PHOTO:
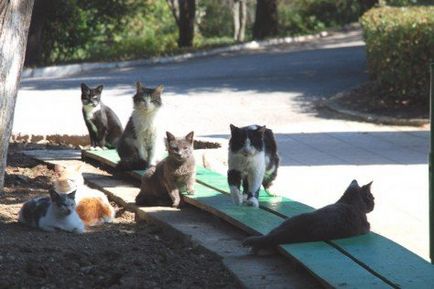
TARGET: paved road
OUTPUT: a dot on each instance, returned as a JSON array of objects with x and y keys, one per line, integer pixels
[{"x": 277, "y": 87}]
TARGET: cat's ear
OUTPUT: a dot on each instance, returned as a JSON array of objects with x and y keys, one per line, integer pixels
[
  {"x": 233, "y": 128},
  {"x": 158, "y": 90},
  {"x": 354, "y": 184},
  {"x": 71, "y": 195},
  {"x": 84, "y": 88},
  {"x": 59, "y": 170},
  {"x": 139, "y": 86},
  {"x": 54, "y": 195},
  {"x": 78, "y": 168},
  {"x": 189, "y": 137},
  {"x": 170, "y": 137},
  {"x": 368, "y": 186},
  {"x": 261, "y": 129},
  {"x": 99, "y": 89}
]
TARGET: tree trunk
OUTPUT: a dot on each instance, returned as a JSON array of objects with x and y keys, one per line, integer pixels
[
  {"x": 239, "y": 11},
  {"x": 187, "y": 12},
  {"x": 34, "y": 41},
  {"x": 15, "y": 18},
  {"x": 266, "y": 19}
]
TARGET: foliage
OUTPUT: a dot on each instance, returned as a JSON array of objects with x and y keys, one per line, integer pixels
[
  {"x": 74, "y": 30},
  {"x": 400, "y": 46},
  {"x": 215, "y": 18},
  {"x": 68, "y": 25},
  {"x": 307, "y": 16}
]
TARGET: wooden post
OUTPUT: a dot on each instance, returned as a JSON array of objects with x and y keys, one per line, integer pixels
[{"x": 431, "y": 175}]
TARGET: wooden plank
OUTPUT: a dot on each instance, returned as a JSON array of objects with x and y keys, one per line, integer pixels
[
  {"x": 322, "y": 260},
  {"x": 382, "y": 256},
  {"x": 318, "y": 258}
]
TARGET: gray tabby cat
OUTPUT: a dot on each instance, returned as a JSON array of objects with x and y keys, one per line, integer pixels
[
  {"x": 136, "y": 147},
  {"x": 51, "y": 213},
  {"x": 161, "y": 184},
  {"x": 343, "y": 219}
]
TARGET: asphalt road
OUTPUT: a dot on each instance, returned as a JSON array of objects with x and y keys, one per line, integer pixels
[{"x": 271, "y": 87}]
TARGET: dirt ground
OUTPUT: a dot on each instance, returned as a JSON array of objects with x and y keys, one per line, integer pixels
[
  {"x": 366, "y": 98},
  {"x": 118, "y": 255}
]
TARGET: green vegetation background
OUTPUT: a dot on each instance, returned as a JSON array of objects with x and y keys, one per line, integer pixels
[{"x": 105, "y": 30}]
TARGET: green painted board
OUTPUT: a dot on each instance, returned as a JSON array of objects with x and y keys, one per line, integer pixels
[
  {"x": 319, "y": 258},
  {"x": 393, "y": 262}
]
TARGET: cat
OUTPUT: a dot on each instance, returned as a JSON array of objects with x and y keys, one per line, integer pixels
[
  {"x": 343, "y": 219},
  {"x": 50, "y": 213},
  {"x": 161, "y": 184},
  {"x": 105, "y": 128},
  {"x": 138, "y": 142},
  {"x": 93, "y": 206},
  {"x": 253, "y": 160}
]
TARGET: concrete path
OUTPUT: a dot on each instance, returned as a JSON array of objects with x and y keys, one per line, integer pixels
[{"x": 278, "y": 87}]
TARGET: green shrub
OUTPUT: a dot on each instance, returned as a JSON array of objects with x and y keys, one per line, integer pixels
[
  {"x": 215, "y": 18},
  {"x": 400, "y": 46},
  {"x": 308, "y": 16}
]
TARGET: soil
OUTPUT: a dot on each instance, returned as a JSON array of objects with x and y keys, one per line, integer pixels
[
  {"x": 123, "y": 254},
  {"x": 367, "y": 99}
]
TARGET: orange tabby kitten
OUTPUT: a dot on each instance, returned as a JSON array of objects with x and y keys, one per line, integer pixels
[{"x": 93, "y": 206}]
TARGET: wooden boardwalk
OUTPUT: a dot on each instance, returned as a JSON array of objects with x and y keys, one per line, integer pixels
[{"x": 368, "y": 261}]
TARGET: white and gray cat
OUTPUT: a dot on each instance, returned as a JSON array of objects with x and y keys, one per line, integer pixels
[
  {"x": 105, "y": 128},
  {"x": 137, "y": 146},
  {"x": 56, "y": 212},
  {"x": 253, "y": 160},
  {"x": 343, "y": 219}
]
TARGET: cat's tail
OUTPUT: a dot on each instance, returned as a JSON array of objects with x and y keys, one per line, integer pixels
[
  {"x": 257, "y": 243},
  {"x": 131, "y": 164}
]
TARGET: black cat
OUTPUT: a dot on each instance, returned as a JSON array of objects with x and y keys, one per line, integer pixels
[
  {"x": 104, "y": 126},
  {"x": 343, "y": 219}
]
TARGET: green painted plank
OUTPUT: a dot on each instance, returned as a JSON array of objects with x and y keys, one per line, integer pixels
[
  {"x": 375, "y": 252},
  {"x": 317, "y": 257},
  {"x": 321, "y": 259}
]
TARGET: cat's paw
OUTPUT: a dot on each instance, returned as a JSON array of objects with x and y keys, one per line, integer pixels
[
  {"x": 78, "y": 230},
  {"x": 175, "y": 204},
  {"x": 252, "y": 202},
  {"x": 98, "y": 148},
  {"x": 190, "y": 191},
  {"x": 237, "y": 197}
]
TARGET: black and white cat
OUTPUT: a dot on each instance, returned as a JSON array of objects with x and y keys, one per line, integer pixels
[
  {"x": 51, "y": 213},
  {"x": 138, "y": 144},
  {"x": 343, "y": 219},
  {"x": 104, "y": 126},
  {"x": 253, "y": 160}
]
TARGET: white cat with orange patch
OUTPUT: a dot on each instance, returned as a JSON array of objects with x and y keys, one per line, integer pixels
[{"x": 93, "y": 206}]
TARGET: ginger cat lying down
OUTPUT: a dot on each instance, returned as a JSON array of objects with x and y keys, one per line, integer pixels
[{"x": 92, "y": 205}]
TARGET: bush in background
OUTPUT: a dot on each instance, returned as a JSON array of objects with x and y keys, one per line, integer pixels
[
  {"x": 76, "y": 30},
  {"x": 309, "y": 16},
  {"x": 400, "y": 46}
]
